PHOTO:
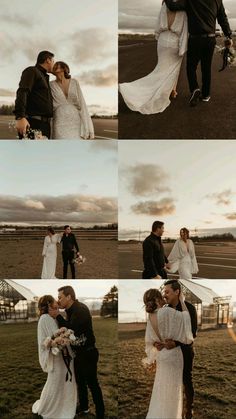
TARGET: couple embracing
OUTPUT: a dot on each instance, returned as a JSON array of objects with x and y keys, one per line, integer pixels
[
  {"x": 55, "y": 109},
  {"x": 72, "y": 369},
  {"x": 183, "y": 26},
  {"x": 171, "y": 329}
]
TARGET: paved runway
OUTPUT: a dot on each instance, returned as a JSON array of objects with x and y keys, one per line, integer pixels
[
  {"x": 105, "y": 128},
  {"x": 215, "y": 261},
  {"x": 212, "y": 120}
]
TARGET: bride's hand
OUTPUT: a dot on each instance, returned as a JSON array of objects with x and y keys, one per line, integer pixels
[{"x": 181, "y": 297}]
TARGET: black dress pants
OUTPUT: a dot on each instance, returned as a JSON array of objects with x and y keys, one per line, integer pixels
[
  {"x": 42, "y": 126},
  {"x": 86, "y": 377},
  {"x": 68, "y": 257},
  {"x": 200, "y": 50},
  {"x": 188, "y": 355}
]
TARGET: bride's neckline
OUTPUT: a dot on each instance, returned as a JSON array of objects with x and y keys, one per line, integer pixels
[{"x": 60, "y": 87}]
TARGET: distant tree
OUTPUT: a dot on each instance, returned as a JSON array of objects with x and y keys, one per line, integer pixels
[
  {"x": 6, "y": 109},
  {"x": 110, "y": 303}
]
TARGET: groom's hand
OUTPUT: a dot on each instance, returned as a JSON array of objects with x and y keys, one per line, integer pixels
[
  {"x": 159, "y": 345},
  {"x": 170, "y": 344},
  {"x": 22, "y": 125},
  {"x": 53, "y": 312}
]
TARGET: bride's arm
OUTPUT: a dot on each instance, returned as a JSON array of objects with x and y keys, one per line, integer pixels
[
  {"x": 150, "y": 349},
  {"x": 45, "y": 246}
]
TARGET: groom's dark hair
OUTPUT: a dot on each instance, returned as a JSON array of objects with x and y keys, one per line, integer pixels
[
  {"x": 174, "y": 283},
  {"x": 68, "y": 290},
  {"x": 43, "y": 56},
  {"x": 65, "y": 227},
  {"x": 156, "y": 225}
]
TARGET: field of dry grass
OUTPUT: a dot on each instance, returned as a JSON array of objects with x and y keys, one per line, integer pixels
[
  {"x": 214, "y": 374},
  {"x": 22, "y": 259},
  {"x": 22, "y": 379}
]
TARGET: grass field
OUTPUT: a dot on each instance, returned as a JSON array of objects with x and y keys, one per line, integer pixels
[
  {"x": 22, "y": 259},
  {"x": 214, "y": 375},
  {"x": 22, "y": 378}
]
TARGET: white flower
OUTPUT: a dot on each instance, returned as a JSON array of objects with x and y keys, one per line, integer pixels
[{"x": 55, "y": 351}]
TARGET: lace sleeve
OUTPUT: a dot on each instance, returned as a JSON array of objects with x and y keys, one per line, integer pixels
[
  {"x": 182, "y": 329},
  {"x": 45, "y": 331},
  {"x": 87, "y": 129},
  {"x": 150, "y": 350}
]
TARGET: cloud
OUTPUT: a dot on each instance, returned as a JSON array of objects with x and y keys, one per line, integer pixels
[
  {"x": 34, "y": 204},
  {"x": 145, "y": 179},
  {"x": 17, "y": 19},
  {"x": 92, "y": 45},
  {"x": 104, "y": 77},
  {"x": 222, "y": 198},
  {"x": 138, "y": 16},
  {"x": 74, "y": 208},
  {"x": 165, "y": 206},
  {"x": 231, "y": 216},
  {"x": 6, "y": 92}
]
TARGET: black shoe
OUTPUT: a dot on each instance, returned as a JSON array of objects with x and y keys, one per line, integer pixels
[
  {"x": 194, "y": 99},
  {"x": 81, "y": 411}
]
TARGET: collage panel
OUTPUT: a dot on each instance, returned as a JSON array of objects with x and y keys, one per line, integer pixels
[
  {"x": 160, "y": 349},
  {"x": 176, "y": 69},
  {"x": 78, "y": 375},
  {"x": 58, "y": 70},
  {"x": 58, "y": 216},
  {"x": 177, "y": 209}
]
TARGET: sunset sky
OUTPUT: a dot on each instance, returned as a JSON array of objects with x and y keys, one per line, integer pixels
[
  {"x": 86, "y": 288},
  {"x": 141, "y": 16},
  {"x": 83, "y": 33},
  {"x": 76, "y": 184},
  {"x": 183, "y": 183},
  {"x": 131, "y": 292}
]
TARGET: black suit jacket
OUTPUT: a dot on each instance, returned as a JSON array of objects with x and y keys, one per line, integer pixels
[
  {"x": 202, "y": 15},
  {"x": 79, "y": 319},
  {"x": 154, "y": 258},
  {"x": 193, "y": 316},
  {"x": 69, "y": 243}
]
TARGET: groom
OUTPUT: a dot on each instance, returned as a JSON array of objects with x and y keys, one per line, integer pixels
[
  {"x": 172, "y": 290},
  {"x": 154, "y": 259},
  {"x": 69, "y": 244},
  {"x": 34, "y": 105},
  {"x": 79, "y": 319},
  {"x": 202, "y": 16}
]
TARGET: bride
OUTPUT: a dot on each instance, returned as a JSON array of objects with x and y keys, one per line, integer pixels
[
  {"x": 166, "y": 323},
  {"x": 50, "y": 254},
  {"x": 71, "y": 119},
  {"x": 182, "y": 257},
  {"x": 151, "y": 94},
  {"x": 59, "y": 397}
]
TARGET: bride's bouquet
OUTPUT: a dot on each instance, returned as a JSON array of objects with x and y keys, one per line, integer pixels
[
  {"x": 34, "y": 134},
  {"x": 228, "y": 54},
  {"x": 79, "y": 260},
  {"x": 61, "y": 339}
]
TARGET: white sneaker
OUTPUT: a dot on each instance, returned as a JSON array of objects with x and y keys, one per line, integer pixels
[{"x": 206, "y": 99}]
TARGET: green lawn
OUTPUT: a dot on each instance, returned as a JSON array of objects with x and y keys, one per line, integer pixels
[
  {"x": 22, "y": 378},
  {"x": 214, "y": 376}
]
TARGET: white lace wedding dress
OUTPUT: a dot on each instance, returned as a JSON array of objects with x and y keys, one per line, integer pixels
[
  {"x": 71, "y": 119},
  {"x": 151, "y": 94},
  {"x": 50, "y": 256},
  {"x": 167, "y": 394},
  {"x": 182, "y": 258},
  {"x": 59, "y": 397}
]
